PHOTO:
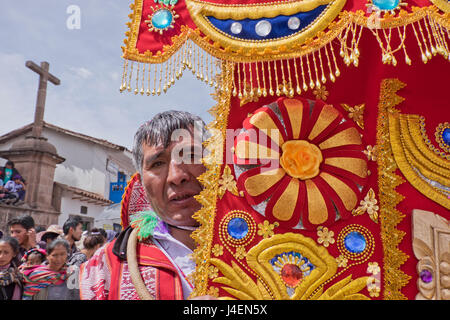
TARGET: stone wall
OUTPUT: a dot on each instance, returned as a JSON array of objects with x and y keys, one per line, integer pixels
[{"x": 41, "y": 217}]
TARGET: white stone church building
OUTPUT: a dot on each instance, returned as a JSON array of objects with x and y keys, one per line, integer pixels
[{"x": 88, "y": 182}]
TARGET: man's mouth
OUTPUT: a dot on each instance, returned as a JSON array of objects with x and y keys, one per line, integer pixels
[{"x": 181, "y": 198}]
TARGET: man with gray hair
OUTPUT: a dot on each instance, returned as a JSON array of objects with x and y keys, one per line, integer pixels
[{"x": 151, "y": 259}]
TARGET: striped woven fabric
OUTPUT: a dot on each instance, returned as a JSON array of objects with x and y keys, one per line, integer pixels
[{"x": 40, "y": 277}]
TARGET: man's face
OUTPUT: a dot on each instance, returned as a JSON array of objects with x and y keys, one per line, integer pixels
[
  {"x": 171, "y": 184},
  {"x": 20, "y": 233},
  {"x": 77, "y": 232}
]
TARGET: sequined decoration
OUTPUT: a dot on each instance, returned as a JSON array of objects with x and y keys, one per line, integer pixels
[
  {"x": 162, "y": 19},
  {"x": 443, "y": 136},
  {"x": 237, "y": 228},
  {"x": 355, "y": 242}
]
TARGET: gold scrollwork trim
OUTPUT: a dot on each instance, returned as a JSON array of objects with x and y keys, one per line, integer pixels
[
  {"x": 411, "y": 152},
  {"x": 254, "y": 11},
  {"x": 319, "y": 35},
  {"x": 442, "y": 19},
  {"x": 199, "y": 11},
  {"x": 404, "y": 18},
  {"x": 208, "y": 197},
  {"x": 444, "y": 5},
  {"x": 269, "y": 284},
  {"x": 394, "y": 278}
]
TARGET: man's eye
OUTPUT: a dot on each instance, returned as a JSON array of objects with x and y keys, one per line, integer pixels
[{"x": 157, "y": 164}]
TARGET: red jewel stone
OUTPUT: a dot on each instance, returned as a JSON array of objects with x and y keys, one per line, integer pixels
[{"x": 291, "y": 274}]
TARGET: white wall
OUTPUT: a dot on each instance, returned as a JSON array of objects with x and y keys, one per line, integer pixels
[
  {"x": 85, "y": 162},
  {"x": 71, "y": 206},
  {"x": 84, "y": 168}
]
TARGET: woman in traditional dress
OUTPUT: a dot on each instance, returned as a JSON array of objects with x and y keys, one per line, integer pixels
[
  {"x": 10, "y": 277},
  {"x": 48, "y": 282}
]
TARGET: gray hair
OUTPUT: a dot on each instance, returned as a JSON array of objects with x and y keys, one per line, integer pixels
[{"x": 159, "y": 130}]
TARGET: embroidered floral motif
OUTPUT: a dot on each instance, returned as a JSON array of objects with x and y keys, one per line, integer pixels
[
  {"x": 240, "y": 253},
  {"x": 227, "y": 183},
  {"x": 325, "y": 236},
  {"x": 213, "y": 272},
  {"x": 265, "y": 229},
  {"x": 371, "y": 153},
  {"x": 356, "y": 113},
  {"x": 373, "y": 282},
  {"x": 213, "y": 291},
  {"x": 321, "y": 93},
  {"x": 369, "y": 205},
  {"x": 301, "y": 159},
  {"x": 373, "y": 268},
  {"x": 342, "y": 261},
  {"x": 374, "y": 289},
  {"x": 288, "y": 126},
  {"x": 217, "y": 250},
  {"x": 287, "y": 270},
  {"x": 285, "y": 88},
  {"x": 250, "y": 95}
]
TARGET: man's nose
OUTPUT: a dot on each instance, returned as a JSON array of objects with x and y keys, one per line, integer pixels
[{"x": 177, "y": 173}]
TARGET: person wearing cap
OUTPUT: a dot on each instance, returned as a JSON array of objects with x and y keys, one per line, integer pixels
[
  {"x": 53, "y": 231},
  {"x": 16, "y": 187}
]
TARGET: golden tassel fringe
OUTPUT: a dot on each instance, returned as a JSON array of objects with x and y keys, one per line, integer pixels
[{"x": 308, "y": 67}]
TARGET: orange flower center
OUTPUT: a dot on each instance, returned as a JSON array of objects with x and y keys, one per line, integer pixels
[{"x": 301, "y": 159}]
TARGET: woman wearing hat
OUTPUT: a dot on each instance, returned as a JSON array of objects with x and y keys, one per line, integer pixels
[{"x": 47, "y": 236}]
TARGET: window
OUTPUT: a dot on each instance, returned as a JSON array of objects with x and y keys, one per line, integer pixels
[{"x": 83, "y": 210}]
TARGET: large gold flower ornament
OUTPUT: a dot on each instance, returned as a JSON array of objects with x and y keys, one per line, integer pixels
[{"x": 300, "y": 163}]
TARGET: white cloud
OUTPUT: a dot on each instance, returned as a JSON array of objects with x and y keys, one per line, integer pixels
[
  {"x": 115, "y": 76},
  {"x": 81, "y": 72}
]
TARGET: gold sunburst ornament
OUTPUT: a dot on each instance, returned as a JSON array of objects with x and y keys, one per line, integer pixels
[{"x": 162, "y": 18}]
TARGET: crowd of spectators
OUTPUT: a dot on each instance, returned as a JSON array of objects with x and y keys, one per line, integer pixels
[{"x": 38, "y": 263}]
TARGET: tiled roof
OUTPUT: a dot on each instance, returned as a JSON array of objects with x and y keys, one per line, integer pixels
[
  {"x": 84, "y": 195},
  {"x": 23, "y": 130}
]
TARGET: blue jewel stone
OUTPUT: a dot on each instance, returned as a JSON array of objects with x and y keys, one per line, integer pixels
[
  {"x": 162, "y": 19},
  {"x": 446, "y": 136},
  {"x": 355, "y": 242},
  {"x": 386, "y": 4},
  {"x": 237, "y": 228}
]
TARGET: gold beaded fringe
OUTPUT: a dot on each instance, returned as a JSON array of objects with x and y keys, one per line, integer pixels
[
  {"x": 295, "y": 74},
  {"x": 137, "y": 76}
]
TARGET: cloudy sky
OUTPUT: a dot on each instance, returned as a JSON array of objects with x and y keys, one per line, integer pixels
[{"x": 88, "y": 62}]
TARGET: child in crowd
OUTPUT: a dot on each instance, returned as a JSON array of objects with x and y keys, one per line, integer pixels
[
  {"x": 33, "y": 257},
  {"x": 48, "y": 282},
  {"x": 5, "y": 196},
  {"x": 16, "y": 187},
  {"x": 10, "y": 277}
]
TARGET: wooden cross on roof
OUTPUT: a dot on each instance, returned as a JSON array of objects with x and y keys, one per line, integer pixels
[{"x": 44, "y": 76}]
